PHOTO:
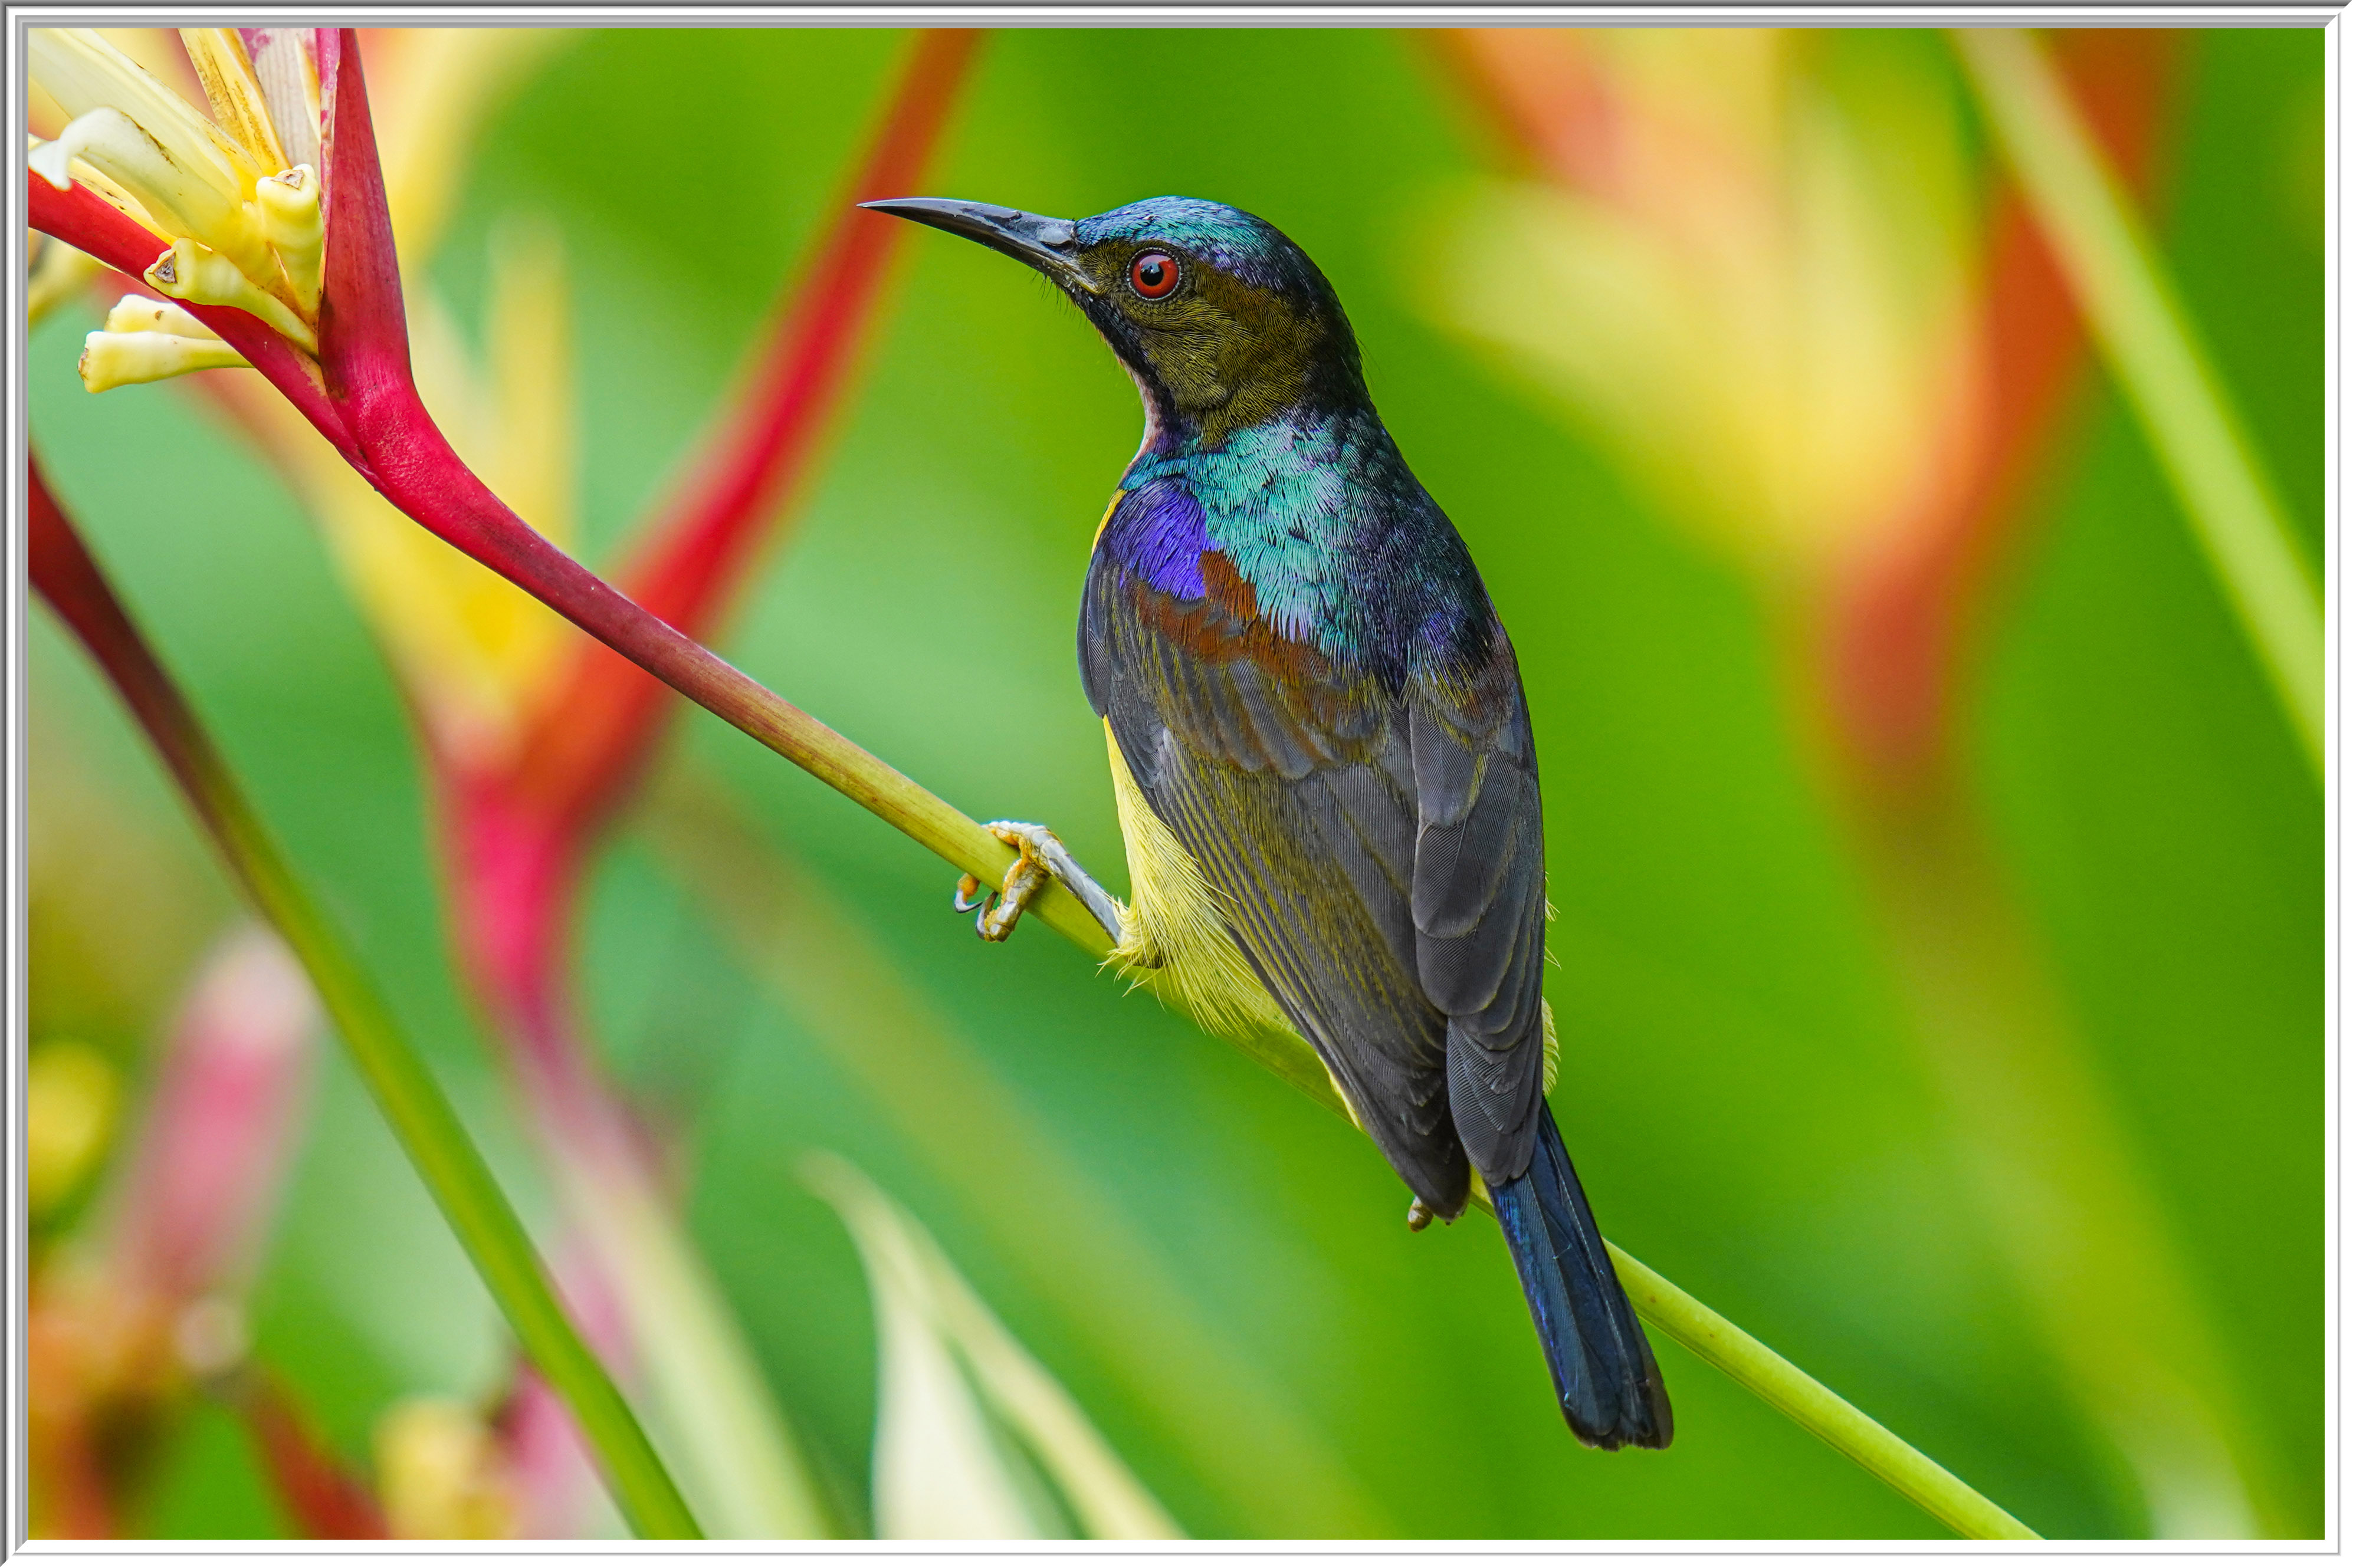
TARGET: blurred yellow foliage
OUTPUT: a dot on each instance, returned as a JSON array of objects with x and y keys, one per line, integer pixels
[
  {"x": 1757, "y": 291},
  {"x": 71, "y": 1095},
  {"x": 439, "y": 1473}
]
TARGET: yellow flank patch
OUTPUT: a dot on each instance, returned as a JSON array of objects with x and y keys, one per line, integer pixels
[
  {"x": 1098, "y": 539},
  {"x": 1174, "y": 938},
  {"x": 1172, "y": 935}
]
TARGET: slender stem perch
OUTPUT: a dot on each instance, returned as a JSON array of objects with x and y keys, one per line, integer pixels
[
  {"x": 590, "y": 730},
  {"x": 1747, "y": 1361},
  {"x": 436, "y": 1142}
]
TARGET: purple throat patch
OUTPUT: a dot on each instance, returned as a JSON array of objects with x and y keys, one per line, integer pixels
[{"x": 1158, "y": 533}]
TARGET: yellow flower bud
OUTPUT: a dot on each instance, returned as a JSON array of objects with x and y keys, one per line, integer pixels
[
  {"x": 138, "y": 313},
  {"x": 296, "y": 229},
  {"x": 193, "y": 272},
  {"x": 109, "y": 360}
]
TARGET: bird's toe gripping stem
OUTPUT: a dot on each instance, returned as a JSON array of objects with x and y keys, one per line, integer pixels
[{"x": 1041, "y": 859}]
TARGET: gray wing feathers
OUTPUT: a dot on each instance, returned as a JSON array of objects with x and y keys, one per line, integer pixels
[
  {"x": 1382, "y": 857},
  {"x": 1340, "y": 967},
  {"x": 1478, "y": 912}
]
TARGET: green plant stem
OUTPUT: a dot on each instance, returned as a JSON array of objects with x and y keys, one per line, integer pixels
[
  {"x": 2146, "y": 336},
  {"x": 1747, "y": 1361},
  {"x": 422, "y": 1118}
]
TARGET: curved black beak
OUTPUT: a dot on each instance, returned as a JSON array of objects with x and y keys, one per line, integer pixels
[{"x": 1048, "y": 243}]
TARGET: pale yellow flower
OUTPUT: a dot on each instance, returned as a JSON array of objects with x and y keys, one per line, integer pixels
[{"x": 472, "y": 648}]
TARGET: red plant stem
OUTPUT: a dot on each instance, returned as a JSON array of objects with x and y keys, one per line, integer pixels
[
  {"x": 322, "y": 1496},
  {"x": 510, "y": 882},
  {"x": 411, "y": 464},
  {"x": 371, "y": 414}
]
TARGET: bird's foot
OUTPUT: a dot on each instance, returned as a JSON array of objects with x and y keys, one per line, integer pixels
[{"x": 1041, "y": 859}]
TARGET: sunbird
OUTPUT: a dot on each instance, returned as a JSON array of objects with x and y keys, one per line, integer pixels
[{"x": 1320, "y": 747}]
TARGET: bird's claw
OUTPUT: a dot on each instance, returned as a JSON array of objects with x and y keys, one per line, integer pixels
[
  {"x": 1024, "y": 881},
  {"x": 1419, "y": 1214},
  {"x": 1039, "y": 859}
]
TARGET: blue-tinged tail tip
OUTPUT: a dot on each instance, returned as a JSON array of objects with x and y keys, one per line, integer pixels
[{"x": 1601, "y": 1364}]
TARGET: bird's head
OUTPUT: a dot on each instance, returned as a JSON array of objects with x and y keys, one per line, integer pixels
[{"x": 1222, "y": 320}]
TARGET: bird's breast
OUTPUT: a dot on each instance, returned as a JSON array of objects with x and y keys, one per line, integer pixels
[{"x": 1265, "y": 524}]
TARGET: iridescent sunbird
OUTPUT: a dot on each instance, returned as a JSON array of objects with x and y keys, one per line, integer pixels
[{"x": 1320, "y": 747}]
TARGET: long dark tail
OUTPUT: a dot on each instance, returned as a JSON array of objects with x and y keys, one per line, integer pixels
[{"x": 1601, "y": 1364}]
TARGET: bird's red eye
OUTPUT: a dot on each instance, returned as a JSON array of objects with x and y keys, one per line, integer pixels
[{"x": 1153, "y": 273}]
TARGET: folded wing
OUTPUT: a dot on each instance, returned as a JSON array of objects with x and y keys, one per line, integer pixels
[{"x": 1378, "y": 850}]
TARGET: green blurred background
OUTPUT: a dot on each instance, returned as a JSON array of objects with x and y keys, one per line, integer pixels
[{"x": 1739, "y": 1081}]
